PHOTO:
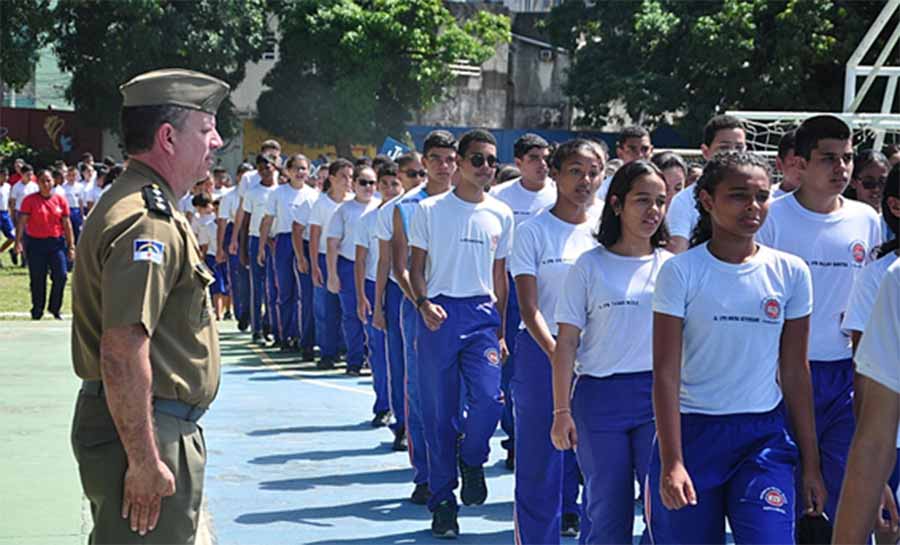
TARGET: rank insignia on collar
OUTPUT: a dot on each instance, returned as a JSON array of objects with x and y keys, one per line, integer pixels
[{"x": 155, "y": 200}]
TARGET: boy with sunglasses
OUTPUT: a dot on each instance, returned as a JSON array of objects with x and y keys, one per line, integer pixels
[
  {"x": 526, "y": 196},
  {"x": 460, "y": 328}
]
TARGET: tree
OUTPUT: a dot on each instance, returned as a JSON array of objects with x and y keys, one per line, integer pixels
[
  {"x": 354, "y": 71},
  {"x": 104, "y": 44},
  {"x": 23, "y": 25},
  {"x": 695, "y": 59}
]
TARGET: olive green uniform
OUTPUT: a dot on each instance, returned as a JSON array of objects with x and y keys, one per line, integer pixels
[{"x": 138, "y": 262}]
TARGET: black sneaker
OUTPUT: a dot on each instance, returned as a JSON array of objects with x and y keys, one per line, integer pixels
[
  {"x": 399, "y": 440},
  {"x": 571, "y": 525},
  {"x": 325, "y": 363},
  {"x": 57, "y": 316},
  {"x": 474, "y": 489},
  {"x": 255, "y": 338},
  {"x": 353, "y": 372},
  {"x": 14, "y": 256},
  {"x": 443, "y": 522},
  {"x": 227, "y": 315},
  {"x": 308, "y": 354},
  {"x": 382, "y": 419},
  {"x": 243, "y": 324},
  {"x": 421, "y": 494}
]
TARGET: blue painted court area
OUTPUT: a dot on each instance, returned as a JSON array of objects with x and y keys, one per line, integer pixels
[{"x": 293, "y": 459}]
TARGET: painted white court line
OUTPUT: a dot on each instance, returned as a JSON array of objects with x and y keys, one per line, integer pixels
[{"x": 299, "y": 375}]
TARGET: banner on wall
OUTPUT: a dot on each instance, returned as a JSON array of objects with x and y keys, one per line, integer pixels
[
  {"x": 393, "y": 148},
  {"x": 254, "y": 136}
]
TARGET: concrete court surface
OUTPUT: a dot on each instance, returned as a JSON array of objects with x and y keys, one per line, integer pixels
[{"x": 292, "y": 457}]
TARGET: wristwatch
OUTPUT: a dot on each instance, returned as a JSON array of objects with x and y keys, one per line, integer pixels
[{"x": 420, "y": 300}]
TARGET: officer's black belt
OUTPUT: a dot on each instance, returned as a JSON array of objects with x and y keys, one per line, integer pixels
[{"x": 170, "y": 407}]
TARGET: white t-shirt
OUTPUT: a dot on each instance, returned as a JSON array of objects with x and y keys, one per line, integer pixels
[
  {"x": 248, "y": 181},
  {"x": 604, "y": 188},
  {"x": 546, "y": 247},
  {"x": 281, "y": 207},
  {"x": 228, "y": 206},
  {"x": 463, "y": 240},
  {"x": 74, "y": 193},
  {"x": 609, "y": 298},
  {"x": 877, "y": 356},
  {"x": 733, "y": 316},
  {"x": 384, "y": 224},
  {"x": 4, "y": 197},
  {"x": 777, "y": 192},
  {"x": 22, "y": 190},
  {"x": 683, "y": 216},
  {"x": 862, "y": 296},
  {"x": 345, "y": 222},
  {"x": 185, "y": 205},
  {"x": 205, "y": 226},
  {"x": 366, "y": 237},
  {"x": 255, "y": 202},
  {"x": 836, "y": 247},
  {"x": 219, "y": 193},
  {"x": 523, "y": 202},
  {"x": 320, "y": 215}
]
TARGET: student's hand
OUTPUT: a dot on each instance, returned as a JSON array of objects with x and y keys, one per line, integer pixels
[
  {"x": 676, "y": 488},
  {"x": 562, "y": 433},
  {"x": 363, "y": 309},
  {"x": 317, "y": 276},
  {"x": 261, "y": 256},
  {"x": 378, "y": 321},
  {"x": 504, "y": 350},
  {"x": 244, "y": 259},
  {"x": 220, "y": 255},
  {"x": 70, "y": 253},
  {"x": 19, "y": 248},
  {"x": 434, "y": 315},
  {"x": 334, "y": 284},
  {"x": 145, "y": 486},
  {"x": 887, "y": 530},
  {"x": 814, "y": 492},
  {"x": 233, "y": 246},
  {"x": 302, "y": 264}
]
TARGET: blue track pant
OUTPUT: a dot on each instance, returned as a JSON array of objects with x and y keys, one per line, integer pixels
[
  {"x": 307, "y": 305},
  {"x": 415, "y": 420},
  {"x": 240, "y": 280},
  {"x": 375, "y": 342},
  {"x": 288, "y": 288},
  {"x": 328, "y": 315},
  {"x": 393, "y": 298},
  {"x": 354, "y": 334}
]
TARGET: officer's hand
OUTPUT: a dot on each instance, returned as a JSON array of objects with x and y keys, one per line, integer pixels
[
  {"x": 145, "y": 487},
  {"x": 302, "y": 265},
  {"x": 317, "y": 276},
  {"x": 334, "y": 284},
  {"x": 504, "y": 350},
  {"x": 562, "y": 433},
  {"x": 261, "y": 256},
  {"x": 814, "y": 491},
  {"x": 887, "y": 530},
  {"x": 676, "y": 488},
  {"x": 363, "y": 309},
  {"x": 378, "y": 321},
  {"x": 434, "y": 315}
]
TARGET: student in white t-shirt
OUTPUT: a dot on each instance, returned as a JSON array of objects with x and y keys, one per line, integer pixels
[
  {"x": 730, "y": 326},
  {"x": 460, "y": 241},
  {"x": 836, "y": 238},
  {"x": 327, "y": 306},
  {"x": 632, "y": 144},
  {"x": 238, "y": 275},
  {"x": 205, "y": 227},
  {"x": 786, "y": 163},
  {"x": 365, "y": 271},
  {"x": 722, "y": 132},
  {"x": 870, "y": 170},
  {"x": 277, "y": 226},
  {"x": 250, "y": 178},
  {"x": 74, "y": 190},
  {"x": 6, "y": 224},
  {"x": 873, "y": 452},
  {"x": 674, "y": 170},
  {"x": 254, "y": 210},
  {"x": 526, "y": 196},
  {"x": 339, "y": 258},
  {"x": 544, "y": 249},
  {"x": 607, "y": 293}
]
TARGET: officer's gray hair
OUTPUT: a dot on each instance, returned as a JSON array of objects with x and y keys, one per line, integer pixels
[{"x": 140, "y": 123}]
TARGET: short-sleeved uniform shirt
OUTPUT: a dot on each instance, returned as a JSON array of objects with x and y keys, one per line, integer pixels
[
  {"x": 320, "y": 214},
  {"x": 877, "y": 356},
  {"x": 22, "y": 190},
  {"x": 137, "y": 265},
  {"x": 74, "y": 193},
  {"x": 365, "y": 237},
  {"x": 345, "y": 222},
  {"x": 683, "y": 215},
  {"x": 45, "y": 216}
]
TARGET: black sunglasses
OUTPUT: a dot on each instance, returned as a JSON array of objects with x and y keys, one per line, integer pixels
[
  {"x": 365, "y": 183},
  {"x": 416, "y": 173},
  {"x": 478, "y": 160},
  {"x": 869, "y": 183}
]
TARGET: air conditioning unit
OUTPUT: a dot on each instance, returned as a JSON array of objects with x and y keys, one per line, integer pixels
[{"x": 546, "y": 55}]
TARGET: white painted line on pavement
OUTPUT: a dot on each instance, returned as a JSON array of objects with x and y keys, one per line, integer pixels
[{"x": 297, "y": 375}]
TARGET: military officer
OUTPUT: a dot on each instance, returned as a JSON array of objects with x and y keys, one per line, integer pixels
[{"x": 143, "y": 339}]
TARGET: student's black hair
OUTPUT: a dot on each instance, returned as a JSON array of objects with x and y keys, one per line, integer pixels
[
  {"x": 387, "y": 168},
  {"x": 114, "y": 172},
  {"x": 787, "y": 144},
  {"x": 294, "y": 159},
  {"x": 866, "y": 158},
  {"x": 109, "y": 161},
  {"x": 201, "y": 199},
  {"x": 507, "y": 173},
  {"x": 27, "y": 168},
  {"x": 610, "y": 223},
  {"x": 102, "y": 171},
  {"x": 475, "y": 135},
  {"x": 333, "y": 168},
  {"x": 571, "y": 147},
  {"x": 379, "y": 160},
  {"x": 816, "y": 128},
  {"x": 219, "y": 169},
  {"x": 669, "y": 159},
  {"x": 438, "y": 138},
  {"x": 362, "y": 161},
  {"x": 526, "y": 143},
  {"x": 720, "y": 123},
  {"x": 56, "y": 174},
  {"x": 721, "y": 165},
  {"x": 891, "y": 189},
  {"x": 242, "y": 168},
  {"x": 358, "y": 169},
  {"x": 634, "y": 131},
  {"x": 407, "y": 158},
  {"x": 87, "y": 156}
]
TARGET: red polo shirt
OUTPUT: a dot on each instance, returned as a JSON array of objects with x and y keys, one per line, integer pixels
[{"x": 45, "y": 215}]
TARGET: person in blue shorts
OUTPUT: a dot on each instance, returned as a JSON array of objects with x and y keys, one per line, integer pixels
[{"x": 730, "y": 327}]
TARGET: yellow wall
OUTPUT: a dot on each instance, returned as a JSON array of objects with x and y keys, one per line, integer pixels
[{"x": 255, "y": 135}]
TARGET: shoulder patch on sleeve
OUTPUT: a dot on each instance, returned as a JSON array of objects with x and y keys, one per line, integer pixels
[
  {"x": 155, "y": 200},
  {"x": 149, "y": 250}
]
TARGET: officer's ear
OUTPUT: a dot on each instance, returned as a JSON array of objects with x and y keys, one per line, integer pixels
[{"x": 166, "y": 137}]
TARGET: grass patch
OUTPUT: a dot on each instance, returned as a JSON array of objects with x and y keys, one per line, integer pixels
[{"x": 15, "y": 295}]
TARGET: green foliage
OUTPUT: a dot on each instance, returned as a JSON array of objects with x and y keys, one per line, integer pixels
[
  {"x": 104, "y": 44},
  {"x": 12, "y": 150},
  {"x": 354, "y": 71},
  {"x": 705, "y": 56},
  {"x": 23, "y": 24}
]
